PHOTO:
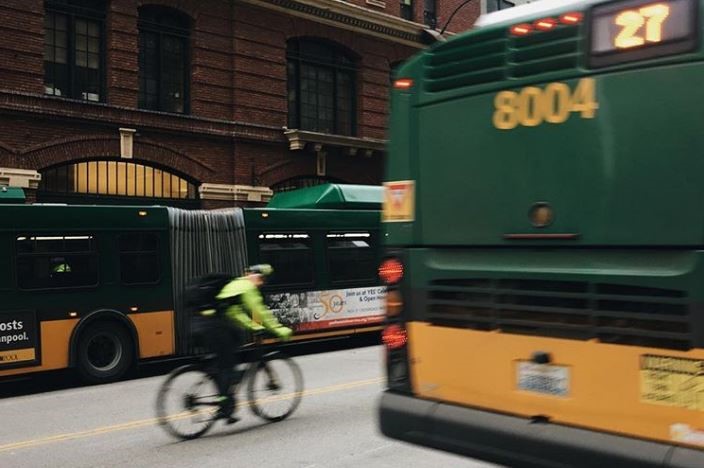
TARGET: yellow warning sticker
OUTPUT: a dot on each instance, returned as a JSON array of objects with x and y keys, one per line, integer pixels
[
  {"x": 399, "y": 201},
  {"x": 672, "y": 381}
]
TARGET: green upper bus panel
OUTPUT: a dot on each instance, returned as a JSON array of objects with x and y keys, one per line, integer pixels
[
  {"x": 605, "y": 151},
  {"x": 41, "y": 218},
  {"x": 331, "y": 196}
]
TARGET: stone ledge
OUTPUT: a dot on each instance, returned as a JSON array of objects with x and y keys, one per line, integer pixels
[
  {"x": 227, "y": 192},
  {"x": 300, "y": 139},
  {"x": 22, "y": 178}
]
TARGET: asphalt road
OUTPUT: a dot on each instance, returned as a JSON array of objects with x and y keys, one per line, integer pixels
[{"x": 113, "y": 425}]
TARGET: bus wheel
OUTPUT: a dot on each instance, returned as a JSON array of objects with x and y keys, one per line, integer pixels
[{"x": 105, "y": 352}]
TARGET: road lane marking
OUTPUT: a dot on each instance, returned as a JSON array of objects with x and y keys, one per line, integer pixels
[{"x": 152, "y": 421}]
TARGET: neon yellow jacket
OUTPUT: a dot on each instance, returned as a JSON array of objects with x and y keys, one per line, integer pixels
[{"x": 249, "y": 299}]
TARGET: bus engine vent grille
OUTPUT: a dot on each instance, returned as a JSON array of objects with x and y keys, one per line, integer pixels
[
  {"x": 610, "y": 313},
  {"x": 491, "y": 57},
  {"x": 545, "y": 52},
  {"x": 468, "y": 61}
]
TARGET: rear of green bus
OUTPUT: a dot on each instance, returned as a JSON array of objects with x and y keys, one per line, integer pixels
[{"x": 544, "y": 237}]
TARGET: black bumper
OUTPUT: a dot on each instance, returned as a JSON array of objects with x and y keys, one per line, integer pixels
[{"x": 519, "y": 442}]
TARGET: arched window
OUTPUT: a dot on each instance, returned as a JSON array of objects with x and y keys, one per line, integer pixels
[
  {"x": 302, "y": 182},
  {"x": 321, "y": 87},
  {"x": 116, "y": 179},
  {"x": 163, "y": 59}
]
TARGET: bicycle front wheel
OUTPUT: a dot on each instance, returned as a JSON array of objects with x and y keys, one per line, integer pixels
[
  {"x": 187, "y": 402},
  {"x": 274, "y": 387}
]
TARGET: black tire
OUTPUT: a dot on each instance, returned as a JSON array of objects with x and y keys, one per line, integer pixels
[
  {"x": 274, "y": 400},
  {"x": 186, "y": 404},
  {"x": 105, "y": 352}
]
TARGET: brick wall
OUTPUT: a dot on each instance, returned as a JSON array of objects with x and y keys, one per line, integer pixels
[
  {"x": 465, "y": 17},
  {"x": 238, "y": 95}
]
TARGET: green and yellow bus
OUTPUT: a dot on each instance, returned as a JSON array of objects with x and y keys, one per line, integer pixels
[
  {"x": 545, "y": 239},
  {"x": 99, "y": 288}
]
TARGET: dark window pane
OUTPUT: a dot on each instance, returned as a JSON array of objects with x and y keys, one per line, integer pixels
[
  {"x": 495, "y": 5},
  {"x": 407, "y": 9},
  {"x": 47, "y": 261},
  {"x": 351, "y": 257},
  {"x": 321, "y": 87},
  {"x": 73, "y": 68},
  {"x": 163, "y": 67},
  {"x": 139, "y": 268},
  {"x": 139, "y": 258},
  {"x": 291, "y": 257}
]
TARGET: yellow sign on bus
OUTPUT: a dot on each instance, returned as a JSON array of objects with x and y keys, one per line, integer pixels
[{"x": 399, "y": 201}]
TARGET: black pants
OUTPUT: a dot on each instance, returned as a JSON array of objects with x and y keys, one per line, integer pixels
[{"x": 224, "y": 339}]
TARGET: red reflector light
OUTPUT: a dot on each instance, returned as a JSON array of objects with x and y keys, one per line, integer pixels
[
  {"x": 403, "y": 83},
  {"x": 391, "y": 271},
  {"x": 394, "y": 337},
  {"x": 571, "y": 18},
  {"x": 545, "y": 24},
  {"x": 521, "y": 29}
]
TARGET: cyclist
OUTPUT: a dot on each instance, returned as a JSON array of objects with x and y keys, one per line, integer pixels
[{"x": 241, "y": 307}]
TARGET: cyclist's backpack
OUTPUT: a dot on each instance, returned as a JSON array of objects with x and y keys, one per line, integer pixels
[{"x": 201, "y": 293}]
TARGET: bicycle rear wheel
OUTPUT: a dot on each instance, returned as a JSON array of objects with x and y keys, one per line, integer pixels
[
  {"x": 274, "y": 387},
  {"x": 187, "y": 402}
]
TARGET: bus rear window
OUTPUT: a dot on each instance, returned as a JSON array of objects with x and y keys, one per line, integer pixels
[
  {"x": 351, "y": 257},
  {"x": 291, "y": 256},
  {"x": 139, "y": 258},
  {"x": 56, "y": 261}
]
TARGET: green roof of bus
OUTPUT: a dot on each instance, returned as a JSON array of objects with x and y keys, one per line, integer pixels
[
  {"x": 331, "y": 196},
  {"x": 11, "y": 195}
]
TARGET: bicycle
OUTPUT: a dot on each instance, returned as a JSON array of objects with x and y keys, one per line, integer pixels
[{"x": 197, "y": 405}]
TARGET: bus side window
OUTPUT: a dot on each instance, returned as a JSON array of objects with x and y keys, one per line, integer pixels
[
  {"x": 351, "y": 257},
  {"x": 56, "y": 261},
  {"x": 139, "y": 258},
  {"x": 290, "y": 254}
]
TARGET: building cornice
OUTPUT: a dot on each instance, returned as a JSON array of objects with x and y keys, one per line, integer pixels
[{"x": 349, "y": 16}]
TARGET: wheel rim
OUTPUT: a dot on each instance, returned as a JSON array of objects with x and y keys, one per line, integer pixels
[
  {"x": 104, "y": 351},
  {"x": 187, "y": 404},
  {"x": 275, "y": 395}
]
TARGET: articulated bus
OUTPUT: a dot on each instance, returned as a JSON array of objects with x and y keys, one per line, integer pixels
[
  {"x": 544, "y": 238},
  {"x": 99, "y": 288}
]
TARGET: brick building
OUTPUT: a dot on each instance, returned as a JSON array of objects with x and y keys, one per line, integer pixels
[{"x": 200, "y": 102}]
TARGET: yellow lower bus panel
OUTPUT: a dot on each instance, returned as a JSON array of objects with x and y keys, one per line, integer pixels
[{"x": 650, "y": 393}]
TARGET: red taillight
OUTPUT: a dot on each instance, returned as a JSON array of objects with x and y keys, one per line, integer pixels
[
  {"x": 391, "y": 271},
  {"x": 571, "y": 18},
  {"x": 403, "y": 83},
  {"x": 394, "y": 337},
  {"x": 545, "y": 24},
  {"x": 521, "y": 29}
]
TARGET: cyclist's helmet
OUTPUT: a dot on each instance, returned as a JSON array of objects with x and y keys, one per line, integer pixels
[{"x": 262, "y": 269}]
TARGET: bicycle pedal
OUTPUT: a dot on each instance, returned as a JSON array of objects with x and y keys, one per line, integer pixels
[{"x": 231, "y": 420}]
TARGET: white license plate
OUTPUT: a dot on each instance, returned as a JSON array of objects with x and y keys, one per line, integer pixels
[{"x": 545, "y": 379}]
